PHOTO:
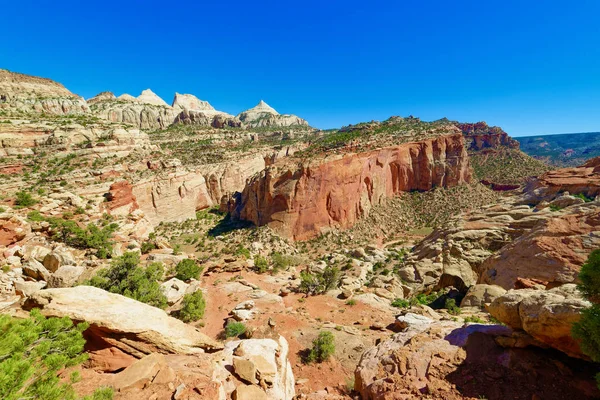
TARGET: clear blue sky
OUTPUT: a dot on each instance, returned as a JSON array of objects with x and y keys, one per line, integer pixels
[{"x": 532, "y": 67}]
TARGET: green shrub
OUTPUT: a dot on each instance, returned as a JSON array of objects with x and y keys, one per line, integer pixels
[
  {"x": 147, "y": 246},
  {"x": 33, "y": 351},
  {"x": 241, "y": 251},
  {"x": 187, "y": 269},
  {"x": 235, "y": 329},
  {"x": 587, "y": 330},
  {"x": 323, "y": 347},
  {"x": 90, "y": 237},
  {"x": 401, "y": 303},
  {"x": 193, "y": 306},
  {"x": 126, "y": 277},
  {"x": 451, "y": 306},
  {"x": 319, "y": 282},
  {"x": 584, "y": 197},
  {"x": 351, "y": 302},
  {"x": 261, "y": 265},
  {"x": 2, "y": 209},
  {"x": 24, "y": 199},
  {"x": 282, "y": 261},
  {"x": 35, "y": 216},
  {"x": 474, "y": 319}
]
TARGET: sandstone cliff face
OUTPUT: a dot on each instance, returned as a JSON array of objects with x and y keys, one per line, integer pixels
[
  {"x": 301, "y": 201},
  {"x": 204, "y": 118}
]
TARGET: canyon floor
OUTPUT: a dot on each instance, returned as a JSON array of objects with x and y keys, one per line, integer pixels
[{"x": 440, "y": 260}]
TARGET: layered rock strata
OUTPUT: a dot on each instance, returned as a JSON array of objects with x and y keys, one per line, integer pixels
[{"x": 302, "y": 201}]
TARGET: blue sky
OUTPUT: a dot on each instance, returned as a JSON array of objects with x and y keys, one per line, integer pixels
[{"x": 530, "y": 67}]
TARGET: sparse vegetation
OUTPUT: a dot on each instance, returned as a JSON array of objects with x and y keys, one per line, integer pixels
[
  {"x": 187, "y": 269},
  {"x": 24, "y": 199},
  {"x": 451, "y": 307},
  {"x": 90, "y": 237},
  {"x": 319, "y": 282},
  {"x": 235, "y": 329},
  {"x": 126, "y": 277},
  {"x": 33, "y": 351},
  {"x": 323, "y": 347},
  {"x": 193, "y": 306}
]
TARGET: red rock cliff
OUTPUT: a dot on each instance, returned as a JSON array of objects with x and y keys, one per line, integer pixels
[
  {"x": 301, "y": 201},
  {"x": 481, "y": 136}
]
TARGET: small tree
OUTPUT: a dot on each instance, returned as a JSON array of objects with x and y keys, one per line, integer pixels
[
  {"x": 587, "y": 330},
  {"x": 34, "y": 350},
  {"x": 126, "y": 277},
  {"x": 187, "y": 269},
  {"x": 235, "y": 329},
  {"x": 323, "y": 347},
  {"x": 319, "y": 282},
  {"x": 193, "y": 306}
]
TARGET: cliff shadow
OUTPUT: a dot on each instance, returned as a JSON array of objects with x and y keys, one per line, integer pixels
[
  {"x": 227, "y": 225},
  {"x": 496, "y": 373}
]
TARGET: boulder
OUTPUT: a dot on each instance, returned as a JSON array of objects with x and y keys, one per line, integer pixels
[
  {"x": 249, "y": 392},
  {"x": 245, "y": 370},
  {"x": 481, "y": 294},
  {"x": 174, "y": 289},
  {"x": 134, "y": 327},
  {"x": 27, "y": 288},
  {"x": 412, "y": 321},
  {"x": 546, "y": 315},
  {"x": 65, "y": 276},
  {"x": 270, "y": 360},
  {"x": 140, "y": 373},
  {"x": 57, "y": 258},
  {"x": 36, "y": 270}
]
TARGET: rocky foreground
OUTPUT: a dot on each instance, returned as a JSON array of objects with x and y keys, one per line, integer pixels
[{"x": 208, "y": 253}]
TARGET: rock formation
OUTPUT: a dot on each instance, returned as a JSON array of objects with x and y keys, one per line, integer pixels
[
  {"x": 448, "y": 361},
  {"x": 117, "y": 321},
  {"x": 302, "y": 201},
  {"x": 263, "y": 115},
  {"x": 546, "y": 315},
  {"x": 480, "y": 136},
  {"x": 25, "y": 94}
]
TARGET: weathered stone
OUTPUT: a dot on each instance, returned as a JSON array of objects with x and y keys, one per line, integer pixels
[
  {"x": 134, "y": 327},
  {"x": 481, "y": 294},
  {"x": 66, "y": 276}
]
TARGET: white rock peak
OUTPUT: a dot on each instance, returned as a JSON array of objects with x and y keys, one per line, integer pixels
[
  {"x": 263, "y": 107},
  {"x": 149, "y": 97},
  {"x": 191, "y": 102}
]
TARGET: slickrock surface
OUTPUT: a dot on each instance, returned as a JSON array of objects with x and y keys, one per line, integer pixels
[
  {"x": 547, "y": 315},
  {"x": 302, "y": 201},
  {"x": 133, "y": 327}
]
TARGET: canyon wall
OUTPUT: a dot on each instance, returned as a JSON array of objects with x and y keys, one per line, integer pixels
[{"x": 302, "y": 201}]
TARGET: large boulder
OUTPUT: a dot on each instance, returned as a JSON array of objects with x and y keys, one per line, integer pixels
[
  {"x": 546, "y": 315},
  {"x": 133, "y": 327},
  {"x": 267, "y": 359},
  {"x": 450, "y": 361},
  {"x": 481, "y": 294}
]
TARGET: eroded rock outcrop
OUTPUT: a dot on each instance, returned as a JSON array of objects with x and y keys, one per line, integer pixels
[
  {"x": 263, "y": 115},
  {"x": 26, "y": 94},
  {"x": 584, "y": 180},
  {"x": 546, "y": 315},
  {"x": 301, "y": 201},
  {"x": 480, "y": 136},
  {"x": 116, "y": 321}
]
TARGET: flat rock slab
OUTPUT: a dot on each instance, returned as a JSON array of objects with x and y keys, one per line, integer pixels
[{"x": 132, "y": 326}]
